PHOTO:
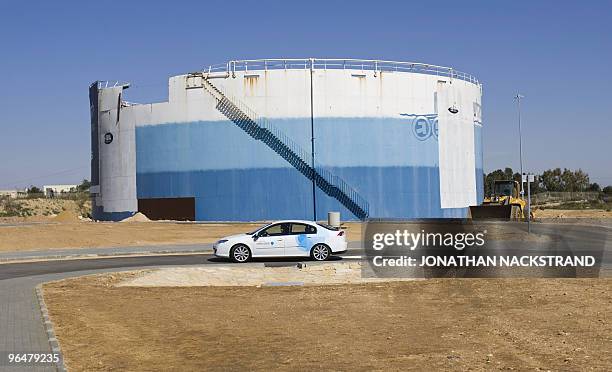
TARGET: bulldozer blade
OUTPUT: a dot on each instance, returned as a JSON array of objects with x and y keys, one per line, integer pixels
[{"x": 481, "y": 212}]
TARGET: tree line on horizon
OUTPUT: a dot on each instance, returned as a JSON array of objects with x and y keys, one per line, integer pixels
[{"x": 553, "y": 180}]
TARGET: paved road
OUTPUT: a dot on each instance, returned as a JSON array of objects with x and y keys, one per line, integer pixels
[
  {"x": 20, "y": 270},
  {"x": 47, "y": 254},
  {"x": 67, "y": 253}
]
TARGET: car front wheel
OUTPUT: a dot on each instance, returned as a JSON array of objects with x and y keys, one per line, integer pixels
[
  {"x": 240, "y": 253},
  {"x": 320, "y": 252}
]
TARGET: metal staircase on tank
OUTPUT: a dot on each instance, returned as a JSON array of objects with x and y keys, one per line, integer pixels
[{"x": 261, "y": 129}]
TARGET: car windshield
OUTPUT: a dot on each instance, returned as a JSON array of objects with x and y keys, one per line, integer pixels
[{"x": 257, "y": 229}]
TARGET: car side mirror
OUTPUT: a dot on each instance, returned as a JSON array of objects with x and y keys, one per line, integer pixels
[{"x": 255, "y": 237}]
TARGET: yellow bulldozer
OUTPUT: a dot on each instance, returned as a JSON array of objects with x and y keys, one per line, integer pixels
[{"x": 505, "y": 202}]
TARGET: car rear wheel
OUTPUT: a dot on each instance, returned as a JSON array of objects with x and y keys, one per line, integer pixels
[
  {"x": 240, "y": 253},
  {"x": 320, "y": 252}
]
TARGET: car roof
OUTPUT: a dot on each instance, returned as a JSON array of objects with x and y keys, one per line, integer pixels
[{"x": 293, "y": 221}]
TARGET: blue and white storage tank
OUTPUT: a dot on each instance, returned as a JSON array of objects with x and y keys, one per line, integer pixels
[{"x": 235, "y": 142}]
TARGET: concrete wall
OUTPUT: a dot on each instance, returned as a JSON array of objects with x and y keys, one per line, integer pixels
[{"x": 390, "y": 136}]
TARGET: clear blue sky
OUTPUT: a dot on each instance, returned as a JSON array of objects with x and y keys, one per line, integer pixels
[{"x": 557, "y": 53}]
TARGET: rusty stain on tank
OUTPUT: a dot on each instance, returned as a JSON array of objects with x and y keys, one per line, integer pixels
[
  {"x": 250, "y": 84},
  {"x": 379, "y": 76}
]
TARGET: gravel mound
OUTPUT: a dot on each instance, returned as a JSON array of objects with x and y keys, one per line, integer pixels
[{"x": 138, "y": 217}]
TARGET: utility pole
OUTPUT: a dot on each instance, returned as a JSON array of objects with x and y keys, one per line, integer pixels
[
  {"x": 312, "y": 144},
  {"x": 518, "y": 98},
  {"x": 529, "y": 178}
]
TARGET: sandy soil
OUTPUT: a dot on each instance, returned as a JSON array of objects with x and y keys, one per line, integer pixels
[
  {"x": 419, "y": 325},
  {"x": 254, "y": 275},
  {"x": 59, "y": 234},
  {"x": 92, "y": 234},
  {"x": 571, "y": 213}
]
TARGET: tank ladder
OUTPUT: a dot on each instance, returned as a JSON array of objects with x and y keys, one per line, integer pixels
[{"x": 261, "y": 129}]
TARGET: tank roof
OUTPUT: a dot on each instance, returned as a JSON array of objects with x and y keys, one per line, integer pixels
[{"x": 338, "y": 64}]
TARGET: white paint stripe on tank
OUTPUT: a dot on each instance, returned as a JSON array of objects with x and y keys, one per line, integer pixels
[{"x": 286, "y": 94}]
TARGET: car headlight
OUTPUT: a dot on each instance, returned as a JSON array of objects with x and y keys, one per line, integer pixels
[{"x": 222, "y": 241}]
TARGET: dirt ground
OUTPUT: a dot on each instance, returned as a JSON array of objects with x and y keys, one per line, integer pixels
[
  {"x": 572, "y": 213},
  {"x": 59, "y": 235},
  {"x": 92, "y": 234},
  {"x": 447, "y": 324}
]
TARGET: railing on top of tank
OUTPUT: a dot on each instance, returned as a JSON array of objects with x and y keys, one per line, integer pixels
[
  {"x": 340, "y": 64},
  {"x": 103, "y": 84},
  {"x": 304, "y": 155}
]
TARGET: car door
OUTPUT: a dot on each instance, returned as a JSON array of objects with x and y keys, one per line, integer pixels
[
  {"x": 270, "y": 242},
  {"x": 301, "y": 239}
]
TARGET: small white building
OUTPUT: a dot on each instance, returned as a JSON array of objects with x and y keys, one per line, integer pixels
[
  {"x": 52, "y": 190},
  {"x": 11, "y": 193}
]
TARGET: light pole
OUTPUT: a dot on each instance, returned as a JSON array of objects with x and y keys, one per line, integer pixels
[
  {"x": 518, "y": 98},
  {"x": 312, "y": 144}
]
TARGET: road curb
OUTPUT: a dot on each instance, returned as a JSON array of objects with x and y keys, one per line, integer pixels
[
  {"x": 97, "y": 255},
  {"x": 283, "y": 284},
  {"x": 53, "y": 341}
]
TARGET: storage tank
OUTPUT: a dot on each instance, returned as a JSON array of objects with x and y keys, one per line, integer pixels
[{"x": 292, "y": 139}]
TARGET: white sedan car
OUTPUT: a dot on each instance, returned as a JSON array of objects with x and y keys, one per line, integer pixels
[{"x": 284, "y": 239}]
